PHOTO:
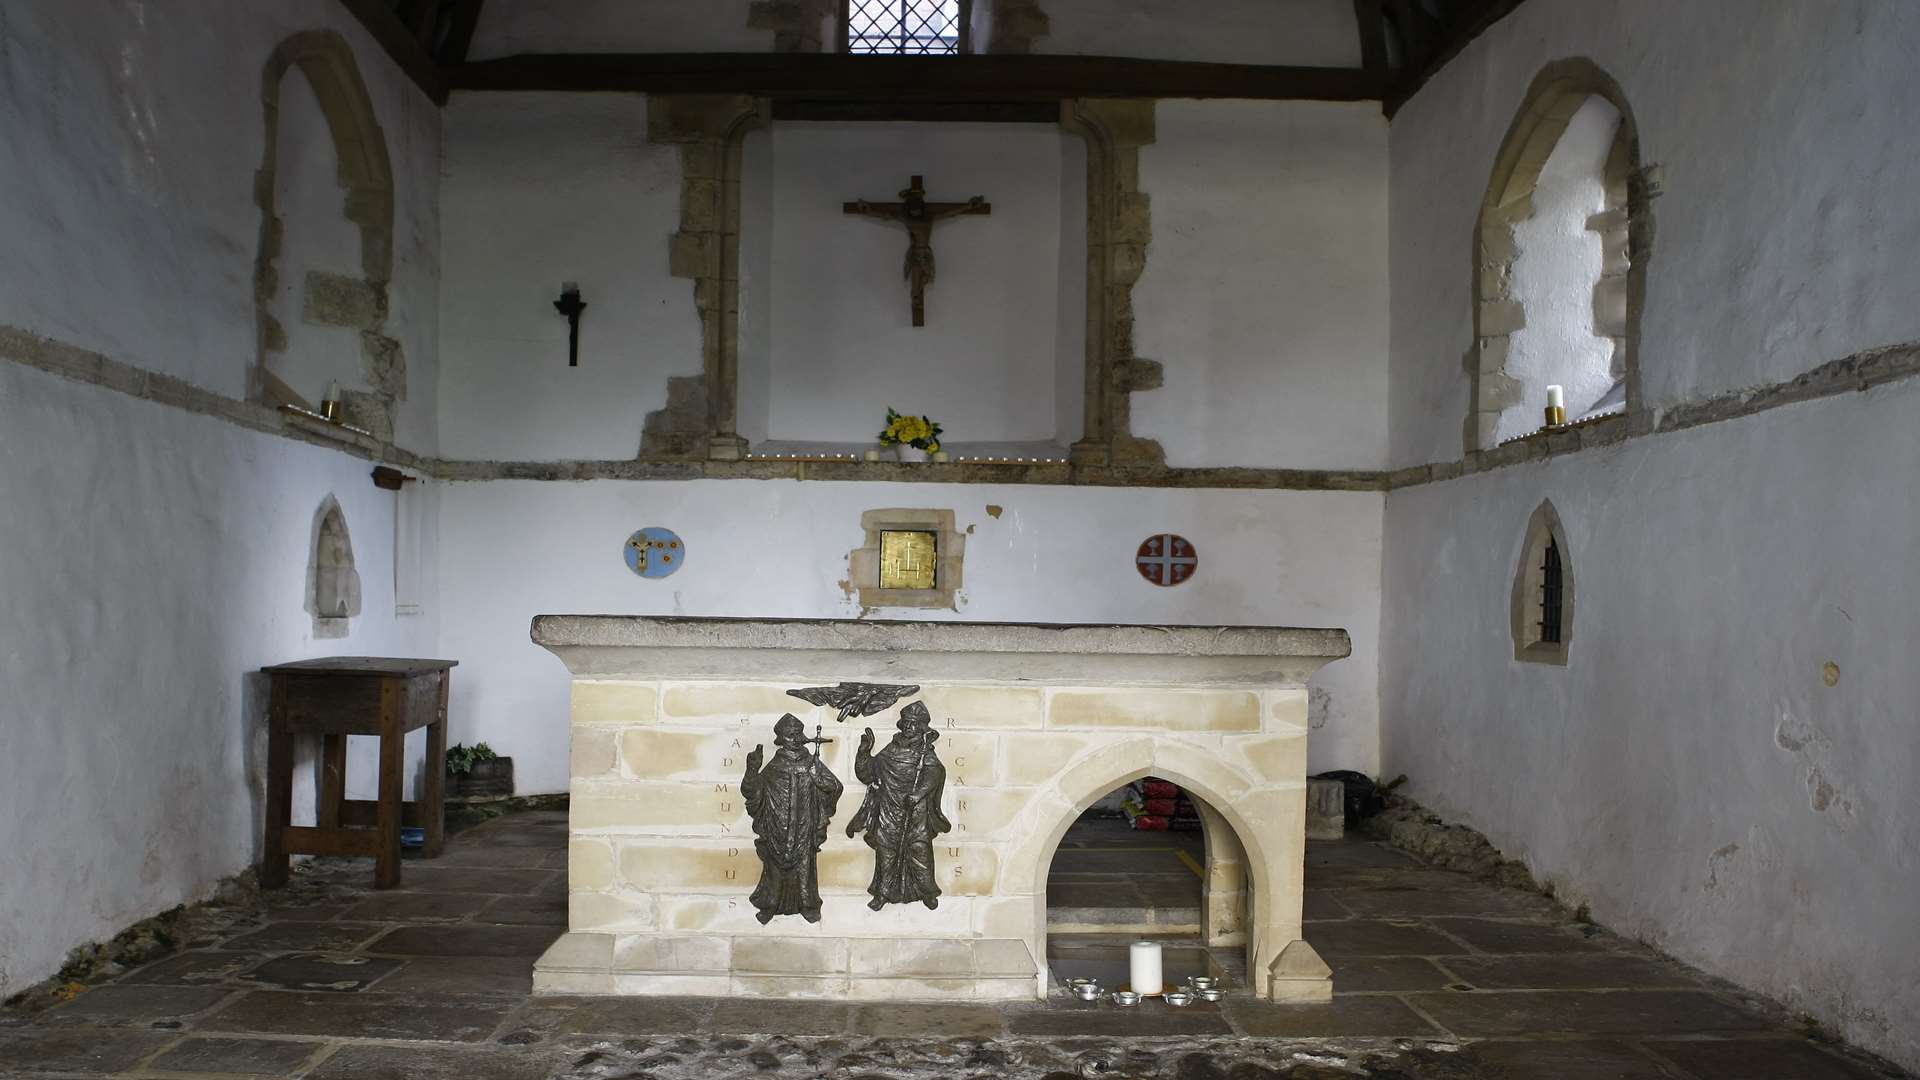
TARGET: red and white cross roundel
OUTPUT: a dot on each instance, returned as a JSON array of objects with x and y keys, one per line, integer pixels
[{"x": 1167, "y": 559}]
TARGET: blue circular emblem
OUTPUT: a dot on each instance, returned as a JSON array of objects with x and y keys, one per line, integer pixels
[{"x": 655, "y": 552}]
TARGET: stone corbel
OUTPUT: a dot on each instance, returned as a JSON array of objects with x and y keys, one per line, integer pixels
[
  {"x": 701, "y": 422},
  {"x": 1119, "y": 228}
]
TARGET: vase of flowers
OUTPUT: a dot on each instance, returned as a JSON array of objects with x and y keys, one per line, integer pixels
[{"x": 913, "y": 438}]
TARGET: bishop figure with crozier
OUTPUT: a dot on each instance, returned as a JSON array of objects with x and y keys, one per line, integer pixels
[
  {"x": 901, "y": 813},
  {"x": 791, "y": 801}
]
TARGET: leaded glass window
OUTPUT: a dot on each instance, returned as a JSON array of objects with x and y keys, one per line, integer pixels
[{"x": 906, "y": 27}]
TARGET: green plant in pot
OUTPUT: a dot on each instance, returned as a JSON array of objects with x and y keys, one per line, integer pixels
[{"x": 477, "y": 772}]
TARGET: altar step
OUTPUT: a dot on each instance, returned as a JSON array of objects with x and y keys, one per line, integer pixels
[{"x": 857, "y": 969}]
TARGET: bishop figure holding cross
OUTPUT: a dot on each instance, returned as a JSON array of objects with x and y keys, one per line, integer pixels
[{"x": 918, "y": 215}]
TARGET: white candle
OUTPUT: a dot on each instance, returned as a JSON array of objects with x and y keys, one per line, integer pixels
[
  {"x": 1143, "y": 967},
  {"x": 1556, "y": 397}
]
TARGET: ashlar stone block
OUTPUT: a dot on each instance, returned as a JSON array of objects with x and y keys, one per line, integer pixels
[
  {"x": 990, "y": 813},
  {"x": 608, "y": 911},
  {"x": 789, "y": 956},
  {"x": 1037, "y": 758},
  {"x": 590, "y": 864},
  {"x": 658, "y": 753},
  {"x": 595, "y": 753},
  {"x": 984, "y": 706},
  {"x": 1159, "y": 710},
  {"x": 612, "y": 702},
  {"x": 696, "y": 703},
  {"x": 668, "y": 866},
  {"x": 1275, "y": 757}
]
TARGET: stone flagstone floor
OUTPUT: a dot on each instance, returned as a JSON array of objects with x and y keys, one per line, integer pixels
[{"x": 1440, "y": 977}]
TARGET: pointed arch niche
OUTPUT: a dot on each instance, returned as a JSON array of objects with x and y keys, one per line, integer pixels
[
  {"x": 1255, "y": 910},
  {"x": 1187, "y": 886},
  {"x": 321, "y": 274},
  {"x": 1543, "y": 594},
  {"x": 1559, "y": 260},
  {"x": 333, "y": 583}
]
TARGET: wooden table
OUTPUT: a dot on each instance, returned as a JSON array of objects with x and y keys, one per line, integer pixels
[{"x": 355, "y": 695}]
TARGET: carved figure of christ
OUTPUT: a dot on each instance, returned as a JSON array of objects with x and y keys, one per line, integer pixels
[{"x": 918, "y": 215}]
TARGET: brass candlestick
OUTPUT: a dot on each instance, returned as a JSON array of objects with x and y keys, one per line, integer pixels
[{"x": 1556, "y": 416}]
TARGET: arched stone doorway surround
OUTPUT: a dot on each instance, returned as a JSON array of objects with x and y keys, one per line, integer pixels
[{"x": 1036, "y": 722}]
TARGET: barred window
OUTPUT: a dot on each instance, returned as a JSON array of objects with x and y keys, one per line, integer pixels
[
  {"x": 906, "y": 27},
  {"x": 1543, "y": 592}
]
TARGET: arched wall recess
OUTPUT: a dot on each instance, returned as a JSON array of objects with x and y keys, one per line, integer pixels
[
  {"x": 325, "y": 60},
  {"x": 1542, "y": 606},
  {"x": 701, "y": 419},
  {"x": 333, "y": 584},
  {"x": 1624, "y": 225}
]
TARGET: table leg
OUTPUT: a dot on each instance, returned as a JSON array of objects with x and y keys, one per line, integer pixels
[
  {"x": 279, "y": 808},
  {"x": 434, "y": 812},
  {"x": 333, "y": 779},
  {"x": 393, "y": 741}
]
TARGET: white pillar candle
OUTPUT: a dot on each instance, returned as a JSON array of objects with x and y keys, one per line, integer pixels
[
  {"x": 1143, "y": 967},
  {"x": 1556, "y": 397}
]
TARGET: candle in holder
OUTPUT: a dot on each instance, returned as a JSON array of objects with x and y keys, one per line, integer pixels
[
  {"x": 1143, "y": 967},
  {"x": 872, "y": 455},
  {"x": 1556, "y": 406}
]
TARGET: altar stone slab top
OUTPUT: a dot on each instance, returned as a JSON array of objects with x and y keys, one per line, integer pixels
[{"x": 1120, "y": 655}]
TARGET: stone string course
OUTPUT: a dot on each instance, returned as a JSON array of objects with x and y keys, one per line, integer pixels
[{"x": 1857, "y": 373}]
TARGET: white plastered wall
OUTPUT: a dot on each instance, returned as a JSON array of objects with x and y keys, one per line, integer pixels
[
  {"x": 152, "y": 565},
  {"x": 1688, "y": 774},
  {"x": 128, "y": 172},
  {"x": 541, "y": 189},
  {"x": 152, "y": 558},
  {"x": 778, "y": 549},
  {"x": 840, "y": 344},
  {"x": 1265, "y": 293}
]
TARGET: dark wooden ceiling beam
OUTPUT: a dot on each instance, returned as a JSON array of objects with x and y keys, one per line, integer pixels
[
  {"x": 398, "y": 39},
  {"x": 466, "y": 17},
  {"x": 1370, "y": 16},
  {"x": 821, "y": 77},
  {"x": 1473, "y": 18}
]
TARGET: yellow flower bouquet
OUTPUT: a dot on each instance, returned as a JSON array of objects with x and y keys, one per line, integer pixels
[{"x": 915, "y": 431}]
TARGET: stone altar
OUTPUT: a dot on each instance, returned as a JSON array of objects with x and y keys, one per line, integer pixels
[{"x": 1036, "y": 722}]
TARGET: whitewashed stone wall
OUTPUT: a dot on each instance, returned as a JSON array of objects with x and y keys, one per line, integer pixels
[
  {"x": 778, "y": 549},
  {"x": 1688, "y": 775},
  {"x": 154, "y": 557}
]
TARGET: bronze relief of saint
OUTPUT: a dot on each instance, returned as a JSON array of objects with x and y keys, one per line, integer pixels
[
  {"x": 791, "y": 800},
  {"x": 901, "y": 813}
]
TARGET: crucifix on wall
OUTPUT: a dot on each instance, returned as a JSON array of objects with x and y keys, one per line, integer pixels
[{"x": 918, "y": 215}]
